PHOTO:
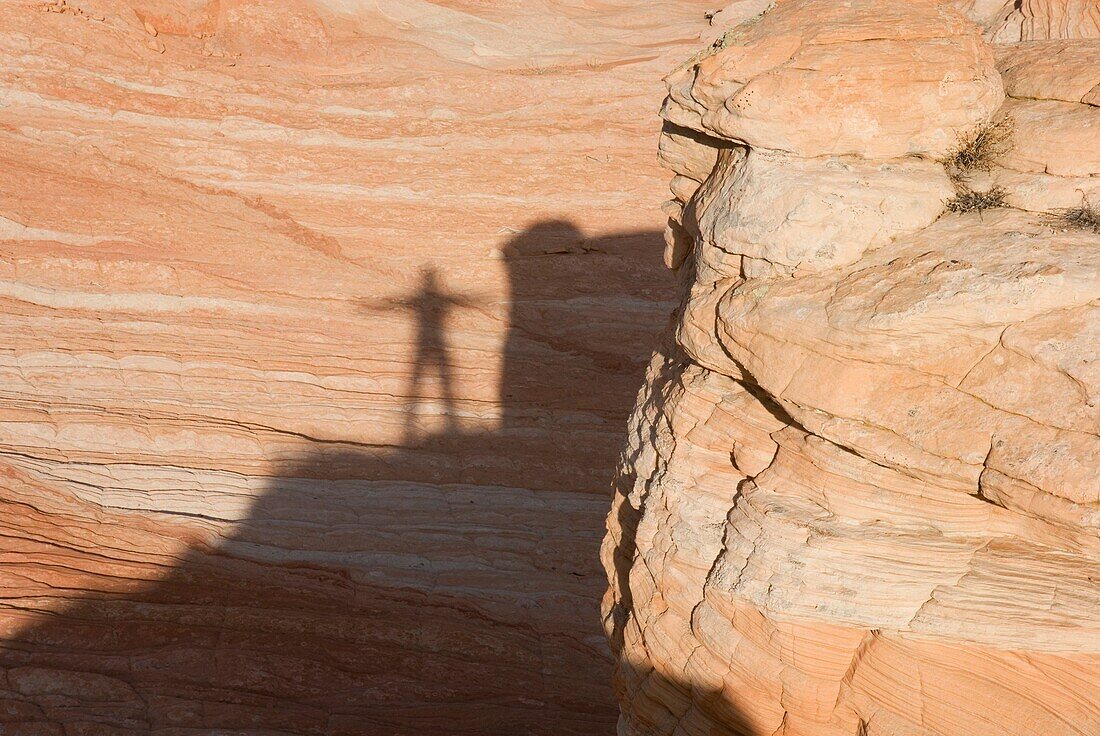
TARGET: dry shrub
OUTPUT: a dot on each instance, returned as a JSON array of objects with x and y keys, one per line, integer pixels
[
  {"x": 1085, "y": 216},
  {"x": 979, "y": 150},
  {"x": 967, "y": 200}
]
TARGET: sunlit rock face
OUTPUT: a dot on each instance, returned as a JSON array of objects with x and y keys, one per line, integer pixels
[
  {"x": 860, "y": 494},
  {"x": 319, "y": 325},
  {"x": 1011, "y": 21}
]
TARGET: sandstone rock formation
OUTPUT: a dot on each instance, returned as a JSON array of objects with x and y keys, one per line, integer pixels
[
  {"x": 1035, "y": 20},
  {"x": 319, "y": 324},
  {"x": 861, "y": 492}
]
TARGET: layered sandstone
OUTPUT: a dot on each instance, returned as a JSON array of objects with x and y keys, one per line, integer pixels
[
  {"x": 860, "y": 495},
  {"x": 319, "y": 324}
]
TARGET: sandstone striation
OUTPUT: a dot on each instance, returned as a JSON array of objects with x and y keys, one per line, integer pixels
[
  {"x": 319, "y": 324},
  {"x": 860, "y": 495},
  {"x": 1035, "y": 20}
]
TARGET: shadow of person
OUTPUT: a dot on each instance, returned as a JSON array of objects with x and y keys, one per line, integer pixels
[
  {"x": 450, "y": 586},
  {"x": 430, "y": 306}
]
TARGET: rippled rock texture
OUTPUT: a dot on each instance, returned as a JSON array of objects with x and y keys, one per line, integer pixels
[
  {"x": 319, "y": 325},
  {"x": 861, "y": 494}
]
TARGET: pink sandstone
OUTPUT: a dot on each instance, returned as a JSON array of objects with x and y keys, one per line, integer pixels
[
  {"x": 322, "y": 321},
  {"x": 320, "y": 324}
]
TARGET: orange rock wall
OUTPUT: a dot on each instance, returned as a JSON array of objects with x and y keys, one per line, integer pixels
[{"x": 319, "y": 324}]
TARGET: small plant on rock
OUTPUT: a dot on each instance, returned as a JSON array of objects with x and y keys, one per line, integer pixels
[
  {"x": 979, "y": 150},
  {"x": 1085, "y": 216},
  {"x": 967, "y": 200}
]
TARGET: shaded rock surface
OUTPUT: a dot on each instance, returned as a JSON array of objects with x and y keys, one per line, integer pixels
[{"x": 860, "y": 494}]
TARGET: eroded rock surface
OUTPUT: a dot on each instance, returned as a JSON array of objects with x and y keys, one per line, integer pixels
[{"x": 861, "y": 491}]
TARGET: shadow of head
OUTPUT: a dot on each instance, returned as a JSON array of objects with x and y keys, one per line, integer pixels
[{"x": 451, "y": 586}]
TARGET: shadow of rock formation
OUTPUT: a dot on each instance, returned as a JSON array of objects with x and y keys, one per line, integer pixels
[{"x": 451, "y": 586}]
